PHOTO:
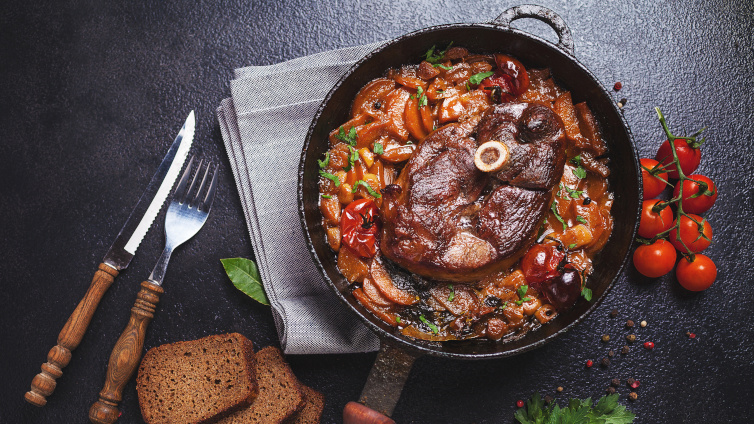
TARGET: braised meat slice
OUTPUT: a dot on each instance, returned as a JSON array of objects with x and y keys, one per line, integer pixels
[{"x": 446, "y": 220}]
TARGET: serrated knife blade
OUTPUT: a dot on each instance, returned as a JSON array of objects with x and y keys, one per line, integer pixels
[{"x": 117, "y": 258}]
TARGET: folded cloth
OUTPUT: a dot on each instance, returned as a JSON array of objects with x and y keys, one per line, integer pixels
[{"x": 263, "y": 126}]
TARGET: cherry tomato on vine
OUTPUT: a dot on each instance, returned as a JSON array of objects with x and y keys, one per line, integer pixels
[
  {"x": 689, "y": 157},
  {"x": 540, "y": 263},
  {"x": 696, "y": 197},
  {"x": 690, "y": 234},
  {"x": 653, "y": 223},
  {"x": 656, "y": 259},
  {"x": 359, "y": 226},
  {"x": 499, "y": 87},
  {"x": 696, "y": 275},
  {"x": 653, "y": 185},
  {"x": 517, "y": 71}
]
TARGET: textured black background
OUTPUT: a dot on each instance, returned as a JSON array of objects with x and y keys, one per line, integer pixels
[{"x": 92, "y": 93}]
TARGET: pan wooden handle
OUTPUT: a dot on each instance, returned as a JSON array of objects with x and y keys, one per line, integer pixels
[
  {"x": 69, "y": 338},
  {"x": 356, "y": 413},
  {"x": 126, "y": 355}
]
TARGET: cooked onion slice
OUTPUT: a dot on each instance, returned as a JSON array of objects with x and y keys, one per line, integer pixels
[{"x": 491, "y": 156}]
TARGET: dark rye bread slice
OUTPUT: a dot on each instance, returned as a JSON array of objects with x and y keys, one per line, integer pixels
[
  {"x": 311, "y": 412},
  {"x": 280, "y": 393},
  {"x": 197, "y": 381}
]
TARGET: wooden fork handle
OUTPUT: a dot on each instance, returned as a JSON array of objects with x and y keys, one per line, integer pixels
[
  {"x": 69, "y": 338},
  {"x": 126, "y": 355}
]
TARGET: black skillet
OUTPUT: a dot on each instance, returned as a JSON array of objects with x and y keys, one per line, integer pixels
[{"x": 398, "y": 352}]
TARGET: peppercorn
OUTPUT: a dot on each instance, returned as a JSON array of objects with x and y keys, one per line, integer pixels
[
  {"x": 610, "y": 390},
  {"x": 548, "y": 399},
  {"x": 643, "y": 324},
  {"x": 630, "y": 381},
  {"x": 624, "y": 350},
  {"x": 624, "y": 101},
  {"x": 611, "y": 353},
  {"x": 633, "y": 396},
  {"x": 589, "y": 363},
  {"x": 560, "y": 389},
  {"x": 605, "y": 337},
  {"x": 520, "y": 403},
  {"x": 620, "y": 105},
  {"x": 614, "y": 313},
  {"x": 649, "y": 345},
  {"x": 635, "y": 384},
  {"x": 631, "y": 338},
  {"x": 605, "y": 362},
  {"x": 588, "y": 200},
  {"x": 615, "y": 382},
  {"x": 377, "y": 105},
  {"x": 617, "y": 86},
  {"x": 691, "y": 335},
  {"x": 629, "y": 323}
]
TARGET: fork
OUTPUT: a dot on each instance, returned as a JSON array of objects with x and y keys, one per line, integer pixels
[{"x": 184, "y": 218}]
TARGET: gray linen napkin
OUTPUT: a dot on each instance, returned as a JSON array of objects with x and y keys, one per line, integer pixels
[{"x": 263, "y": 126}]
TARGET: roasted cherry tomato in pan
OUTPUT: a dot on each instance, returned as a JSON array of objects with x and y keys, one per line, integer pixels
[
  {"x": 656, "y": 259},
  {"x": 563, "y": 290},
  {"x": 689, "y": 157},
  {"x": 514, "y": 68},
  {"x": 499, "y": 87},
  {"x": 696, "y": 275},
  {"x": 695, "y": 238},
  {"x": 653, "y": 223},
  {"x": 698, "y": 195},
  {"x": 359, "y": 225},
  {"x": 653, "y": 183},
  {"x": 540, "y": 263}
]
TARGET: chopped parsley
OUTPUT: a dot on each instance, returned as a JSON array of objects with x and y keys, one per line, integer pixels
[
  {"x": 452, "y": 294},
  {"x": 571, "y": 246},
  {"x": 327, "y": 196},
  {"x": 440, "y": 65},
  {"x": 434, "y": 57},
  {"x": 429, "y": 324},
  {"x": 477, "y": 79},
  {"x": 366, "y": 186},
  {"x": 576, "y": 160},
  {"x": 353, "y": 157},
  {"x": 586, "y": 292},
  {"x": 422, "y": 97},
  {"x": 330, "y": 177},
  {"x": 397, "y": 319},
  {"x": 574, "y": 194},
  {"x": 579, "y": 172},
  {"x": 349, "y": 138},
  {"x": 554, "y": 209},
  {"x": 323, "y": 163},
  {"x": 581, "y": 219},
  {"x": 378, "y": 149},
  {"x": 522, "y": 294}
]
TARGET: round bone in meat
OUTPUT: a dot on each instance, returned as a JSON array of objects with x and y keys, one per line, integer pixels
[{"x": 491, "y": 156}]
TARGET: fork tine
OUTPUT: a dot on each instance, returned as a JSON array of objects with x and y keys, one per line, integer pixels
[
  {"x": 193, "y": 182},
  {"x": 194, "y": 202},
  {"x": 180, "y": 190},
  {"x": 210, "y": 197}
]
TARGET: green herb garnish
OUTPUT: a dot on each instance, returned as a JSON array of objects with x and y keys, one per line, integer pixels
[
  {"x": 575, "y": 194},
  {"x": 422, "y": 97},
  {"x": 397, "y": 319},
  {"x": 353, "y": 157},
  {"x": 378, "y": 149},
  {"x": 440, "y": 65},
  {"x": 606, "y": 411},
  {"x": 452, "y": 294},
  {"x": 576, "y": 160},
  {"x": 243, "y": 273},
  {"x": 571, "y": 246},
  {"x": 476, "y": 79},
  {"x": 522, "y": 294},
  {"x": 554, "y": 209},
  {"x": 349, "y": 138},
  {"x": 330, "y": 177},
  {"x": 431, "y": 326},
  {"x": 581, "y": 219},
  {"x": 579, "y": 172},
  {"x": 323, "y": 163},
  {"x": 433, "y": 57},
  {"x": 327, "y": 196},
  {"x": 586, "y": 292},
  {"x": 367, "y": 187}
]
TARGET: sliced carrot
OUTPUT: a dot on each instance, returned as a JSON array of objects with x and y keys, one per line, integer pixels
[
  {"x": 385, "y": 284},
  {"x": 413, "y": 119}
]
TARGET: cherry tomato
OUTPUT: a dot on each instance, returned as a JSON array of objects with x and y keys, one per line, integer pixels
[
  {"x": 653, "y": 223},
  {"x": 499, "y": 87},
  {"x": 697, "y": 198},
  {"x": 688, "y": 156},
  {"x": 696, "y": 275},
  {"x": 517, "y": 71},
  {"x": 563, "y": 290},
  {"x": 359, "y": 226},
  {"x": 653, "y": 185},
  {"x": 540, "y": 263},
  {"x": 656, "y": 259},
  {"x": 690, "y": 234}
]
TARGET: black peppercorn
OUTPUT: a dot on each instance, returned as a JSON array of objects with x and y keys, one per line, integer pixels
[
  {"x": 630, "y": 381},
  {"x": 548, "y": 399},
  {"x": 629, "y": 323},
  {"x": 615, "y": 382},
  {"x": 614, "y": 312},
  {"x": 624, "y": 350},
  {"x": 588, "y": 200},
  {"x": 611, "y": 353},
  {"x": 377, "y": 105},
  {"x": 610, "y": 390},
  {"x": 605, "y": 362}
]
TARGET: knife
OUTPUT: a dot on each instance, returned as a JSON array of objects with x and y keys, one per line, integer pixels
[{"x": 117, "y": 258}]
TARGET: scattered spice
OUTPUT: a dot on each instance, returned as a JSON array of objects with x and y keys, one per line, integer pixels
[
  {"x": 588, "y": 200},
  {"x": 620, "y": 105},
  {"x": 630, "y": 381},
  {"x": 617, "y": 86},
  {"x": 605, "y": 362},
  {"x": 624, "y": 101},
  {"x": 691, "y": 335},
  {"x": 614, "y": 312},
  {"x": 610, "y": 390},
  {"x": 643, "y": 324},
  {"x": 631, "y": 338},
  {"x": 615, "y": 382},
  {"x": 605, "y": 337},
  {"x": 629, "y": 323},
  {"x": 649, "y": 345},
  {"x": 611, "y": 353},
  {"x": 559, "y": 389},
  {"x": 624, "y": 350},
  {"x": 548, "y": 399},
  {"x": 589, "y": 363},
  {"x": 520, "y": 403},
  {"x": 634, "y": 384},
  {"x": 633, "y": 396}
]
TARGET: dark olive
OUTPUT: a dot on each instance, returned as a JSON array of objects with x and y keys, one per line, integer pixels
[{"x": 563, "y": 290}]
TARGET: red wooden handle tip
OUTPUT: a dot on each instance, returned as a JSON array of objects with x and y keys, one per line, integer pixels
[{"x": 356, "y": 413}]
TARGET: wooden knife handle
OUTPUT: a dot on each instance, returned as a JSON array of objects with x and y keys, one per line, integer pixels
[
  {"x": 126, "y": 355},
  {"x": 356, "y": 413},
  {"x": 69, "y": 338}
]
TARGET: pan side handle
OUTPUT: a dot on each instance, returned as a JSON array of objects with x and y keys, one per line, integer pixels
[
  {"x": 565, "y": 39},
  {"x": 383, "y": 387}
]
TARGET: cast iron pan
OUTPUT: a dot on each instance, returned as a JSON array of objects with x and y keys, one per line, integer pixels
[{"x": 398, "y": 352}]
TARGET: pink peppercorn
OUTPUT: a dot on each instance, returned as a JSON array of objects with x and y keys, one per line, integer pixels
[
  {"x": 520, "y": 403},
  {"x": 634, "y": 384},
  {"x": 617, "y": 86},
  {"x": 649, "y": 345},
  {"x": 589, "y": 363}
]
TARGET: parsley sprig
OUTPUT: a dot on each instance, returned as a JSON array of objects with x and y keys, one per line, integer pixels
[
  {"x": 522, "y": 294},
  {"x": 579, "y": 171},
  {"x": 434, "y": 57},
  {"x": 366, "y": 186},
  {"x": 607, "y": 410},
  {"x": 554, "y": 209},
  {"x": 573, "y": 193},
  {"x": 349, "y": 138},
  {"x": 477, "y": 79},
  {"x": 352, "y": 157},
  {"x": 330, "y": 177}
]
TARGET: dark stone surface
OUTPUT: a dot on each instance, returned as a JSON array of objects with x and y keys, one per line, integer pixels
[{"x": 93, "y": 93}]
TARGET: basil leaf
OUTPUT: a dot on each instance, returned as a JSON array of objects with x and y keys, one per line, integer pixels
[
  {"x": 579, "y": 172},
  {"x": 367, "y": 187},
  {"x": 349, "y": 138},
  {"x": 330, "y": 177},
  {"x": 378, "y": 149},
  {"x": 431, "y": 325},
  {"x": 323, "y": 163},
  {"x": 477, "y": 79},
  {"x": 243, "y": 273},
  {"x": 581, "y": 219},
  {"x": 554, "y": 209},
  {"x": 440, "y": 65}
]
